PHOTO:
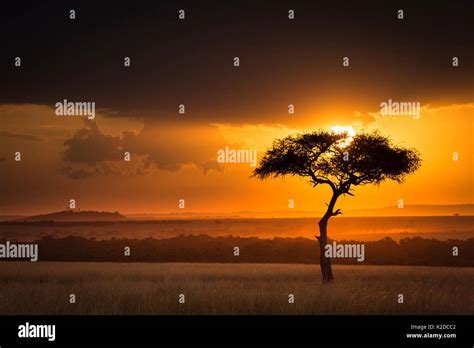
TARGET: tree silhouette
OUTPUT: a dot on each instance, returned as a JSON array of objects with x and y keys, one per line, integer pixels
[{"x": 340, "y": 161}]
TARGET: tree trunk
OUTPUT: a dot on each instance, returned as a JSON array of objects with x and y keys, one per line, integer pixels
[{"x": 325, "y": 263}]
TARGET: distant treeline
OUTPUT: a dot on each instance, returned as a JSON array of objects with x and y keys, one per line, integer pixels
[{"x": 202, "y": 248}]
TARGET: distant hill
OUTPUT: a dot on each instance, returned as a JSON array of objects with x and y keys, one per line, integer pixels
[
  {"x": 71, "y": 215},
  {"x": 407, "y": 210}
]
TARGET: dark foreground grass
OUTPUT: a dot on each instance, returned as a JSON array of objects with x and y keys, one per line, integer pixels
[{"x": 145, "y": 288}]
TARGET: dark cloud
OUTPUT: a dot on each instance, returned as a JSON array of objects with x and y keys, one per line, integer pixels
[
  {"x": 190, "y": 61},
  {"x": 364, "y": 119},
  {"x": 20, "y": 136},
  {"x": 90, "y": 145},
  {"x": 170, "y": 146},
  {"x": 159, "y": 146},
  {"x": 76, "y": 174}
]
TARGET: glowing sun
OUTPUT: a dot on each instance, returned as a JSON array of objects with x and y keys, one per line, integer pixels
[{"x": 344, "y": 129}]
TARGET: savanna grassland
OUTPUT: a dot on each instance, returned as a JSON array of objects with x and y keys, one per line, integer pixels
[{"x": 153, "y": 288}]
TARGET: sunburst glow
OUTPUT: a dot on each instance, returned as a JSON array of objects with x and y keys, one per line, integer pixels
[{"x": 344, "y": 129}]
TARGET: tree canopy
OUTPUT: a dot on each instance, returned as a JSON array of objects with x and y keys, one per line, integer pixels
[{"x": 338, "y": 160}]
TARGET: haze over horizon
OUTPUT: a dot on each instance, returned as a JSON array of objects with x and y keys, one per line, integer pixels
[{"x": 390, "y": 211}]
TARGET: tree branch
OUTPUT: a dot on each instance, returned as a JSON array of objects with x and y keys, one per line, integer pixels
[{"x": 317, "y": 180}]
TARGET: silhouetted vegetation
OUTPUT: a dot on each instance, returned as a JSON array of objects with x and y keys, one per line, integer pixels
[
  {"x": 202, "y": 248},
  {"x": 340, "y": 161},
  {"x": 359, "y": 228}
]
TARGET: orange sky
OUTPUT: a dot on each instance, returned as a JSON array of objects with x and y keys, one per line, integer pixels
[
  {"x": 177, "y": 159},
  {"x": 282, "y": 61}
]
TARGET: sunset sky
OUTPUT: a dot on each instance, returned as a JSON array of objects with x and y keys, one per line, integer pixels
[{"x": 190, "y": 62}]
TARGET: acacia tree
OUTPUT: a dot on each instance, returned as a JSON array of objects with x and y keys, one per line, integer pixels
[{"x": 339, "y": 161}]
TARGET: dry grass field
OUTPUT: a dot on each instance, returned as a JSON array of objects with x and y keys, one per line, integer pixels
[{"x": 144, "y": 288}]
